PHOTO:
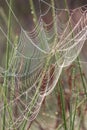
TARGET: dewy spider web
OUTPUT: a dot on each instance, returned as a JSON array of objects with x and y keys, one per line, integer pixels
[{"x": 40, "y": 56}]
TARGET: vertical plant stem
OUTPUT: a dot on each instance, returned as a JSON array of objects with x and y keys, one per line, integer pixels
[
  {"x": 63, "y": 106},
  {"x": 71, "y": 117},
  {"x": 33, "y": 12},
  {"x": 7, "y": 64},
  {"x": 72, "y": 85},
  {"x": 82, "y": 77},
  {"x": 74, "y": 114},
  {"x": 54, "y": 15}
]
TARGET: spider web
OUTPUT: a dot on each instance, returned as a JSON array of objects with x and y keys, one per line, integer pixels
[{"x": 39, "y": 57}]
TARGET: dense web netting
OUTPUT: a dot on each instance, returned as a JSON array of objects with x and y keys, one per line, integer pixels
[{"x": 39, "y": 57}]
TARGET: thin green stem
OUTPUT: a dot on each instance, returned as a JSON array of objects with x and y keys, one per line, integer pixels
[
  {"x": 63, "y": 106},
  {"x": 72, "y": 85},
  {"x": 73, "y": 120},
  {"x": 33, "y": 12},
  {"x": 82, "y": 77},
  {"x": 54, "y": 15},
  {"x": 7, "y": 64}
]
